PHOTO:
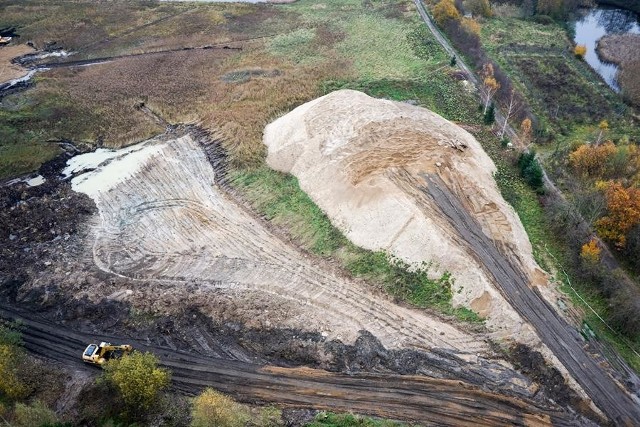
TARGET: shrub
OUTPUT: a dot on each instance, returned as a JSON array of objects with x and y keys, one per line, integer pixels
[
  {"x": 478, "y": 7},
  {"x": 35, "y": 415},
  {"x": 530, "y": 170},
  {"x": 138, "y": 380},
  {"x": 490, "y": 115},
  {"x": 214, "y": 409},
  {"x": 543, "y": 19},
  {"x": 580, "y": 51},
  {"x": 11, "y": 359},
  {"x": 590, "y": 252}
]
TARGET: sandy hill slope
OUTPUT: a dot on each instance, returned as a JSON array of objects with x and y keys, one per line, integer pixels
[{"x": 392, "y": 177}]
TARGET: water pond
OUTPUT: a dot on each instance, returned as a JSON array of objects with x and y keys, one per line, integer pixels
[{"x": 597, "y": 22}]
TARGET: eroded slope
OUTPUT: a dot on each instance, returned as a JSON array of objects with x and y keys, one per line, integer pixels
[
  {"x": 366, "y": 163},
  {"x": 163, "y": 219}
]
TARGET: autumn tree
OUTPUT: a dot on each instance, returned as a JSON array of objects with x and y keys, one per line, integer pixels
[
  {"x": 525, "y": 131},
  {"x": 591, "y": 160},
  {"x": 214, "y": 409},
  {"x": 580, "y": 51},
  {"x": 445, "y": 11},
  {"x": 623, "y": 212},
  {"x": 489, "y": 85},
  {"x": 590, "y": 252},
  {"x": 138, "y": 380}
]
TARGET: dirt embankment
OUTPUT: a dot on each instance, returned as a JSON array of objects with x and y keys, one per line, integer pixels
[
  {"x": 360, "y": 158},
  {"x": 229, "y": 290},
  {"x": 624, "y": 50},
  {"x": 402, "y": 179}
]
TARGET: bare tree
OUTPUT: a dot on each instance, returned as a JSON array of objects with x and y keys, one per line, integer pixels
[{"x": 513, "y": 107}]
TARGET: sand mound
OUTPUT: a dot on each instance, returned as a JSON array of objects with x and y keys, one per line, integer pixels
[{"x": 368, "y": 164}]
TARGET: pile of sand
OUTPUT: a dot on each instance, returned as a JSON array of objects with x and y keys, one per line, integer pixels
[{"x": 366, "y": 163}]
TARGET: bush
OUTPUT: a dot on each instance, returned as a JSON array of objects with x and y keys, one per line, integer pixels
[
  {"x": 490, "y": 115},
  {"x": 138, "y": 380},
  {"x": 530, "y": 170},
  {"x": 12, "y": 357},
  {"x": 214, "y": 409},
  {"x": 543, "y": 19},
  {"x": 35, "y": 415}
]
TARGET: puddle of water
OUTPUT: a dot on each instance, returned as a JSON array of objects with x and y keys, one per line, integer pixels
[
  {"x": 599, "y": 22},
  {"x": 30, "y": 181},
  {"x": 105, "y": 168}
]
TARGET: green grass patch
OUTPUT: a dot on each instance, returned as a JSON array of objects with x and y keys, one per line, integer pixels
[
  {"x": 329, "y": 419},
  {"x": 441, "y": 94},
  {"x": 295, "y": 45},
  {"x": 280, "y": 200}
]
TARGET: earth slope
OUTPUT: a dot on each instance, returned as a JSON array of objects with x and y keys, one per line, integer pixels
[{"x": 367, "y": 162}]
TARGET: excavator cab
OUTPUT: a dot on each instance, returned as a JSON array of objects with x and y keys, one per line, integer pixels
[{"x": 98, "y": 354}]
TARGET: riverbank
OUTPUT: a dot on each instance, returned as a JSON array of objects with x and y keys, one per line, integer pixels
[
  {"x": 633, "y": 5},
  {"x": 624, "y": 51}
]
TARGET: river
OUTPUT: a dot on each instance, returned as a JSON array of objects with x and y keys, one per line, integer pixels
[{"x": 596, "y": 23}]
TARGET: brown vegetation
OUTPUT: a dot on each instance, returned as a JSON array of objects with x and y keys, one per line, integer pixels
[
  {"x": 9, "y": 71},
  {"x": 624, "y": 50}
]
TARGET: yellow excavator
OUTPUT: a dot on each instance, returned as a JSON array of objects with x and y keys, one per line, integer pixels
[{"x": 98, "y": 354}]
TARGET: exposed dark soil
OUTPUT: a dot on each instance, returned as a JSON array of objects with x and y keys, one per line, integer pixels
[{"x": 45, "y": 268}]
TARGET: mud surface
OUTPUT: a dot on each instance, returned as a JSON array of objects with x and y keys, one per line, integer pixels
[
  {"x": 565, "y": 342},
  {"x": 407, "y": 397},
  {"x": 48, "y": 267}
]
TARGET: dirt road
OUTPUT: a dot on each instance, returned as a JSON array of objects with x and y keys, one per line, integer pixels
[
  {"x": 412, "y": 398},
  {"x": 562, "y": 339}
]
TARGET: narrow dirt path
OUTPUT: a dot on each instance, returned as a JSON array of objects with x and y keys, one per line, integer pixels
[{"x": 411, "y": 398}]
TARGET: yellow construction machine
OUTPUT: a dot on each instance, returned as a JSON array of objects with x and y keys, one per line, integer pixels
[{"x": 98, "y": 354}]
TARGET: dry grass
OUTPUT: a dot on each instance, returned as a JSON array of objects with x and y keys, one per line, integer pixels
[
  {"x": 306, "y": 46},
  {"x": 9, "y": 71},
  {"x": 624, "y": 50}
]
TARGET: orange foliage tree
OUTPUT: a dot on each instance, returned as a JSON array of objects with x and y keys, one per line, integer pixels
[
  {"x": 490, "y": 85},
  {"x": 592, "y": 160},
  {"x": 590, "y": 252},
  {"x": 444, "y": 11},
  {"x": 623, "y": 212},
  {"x": 580, "y": 51}
]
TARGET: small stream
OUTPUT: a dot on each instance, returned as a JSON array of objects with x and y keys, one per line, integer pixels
[{"x": 596, "y": 23}]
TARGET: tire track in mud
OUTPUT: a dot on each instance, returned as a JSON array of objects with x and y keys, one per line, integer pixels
[
  {"x": 563, "y": 340},
  {"x": 410, "y": 398},
  {"x": 170, "y": 223}
]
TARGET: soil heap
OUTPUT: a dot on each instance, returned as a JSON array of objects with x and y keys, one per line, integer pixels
[{"x": 368, "y": 163}]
